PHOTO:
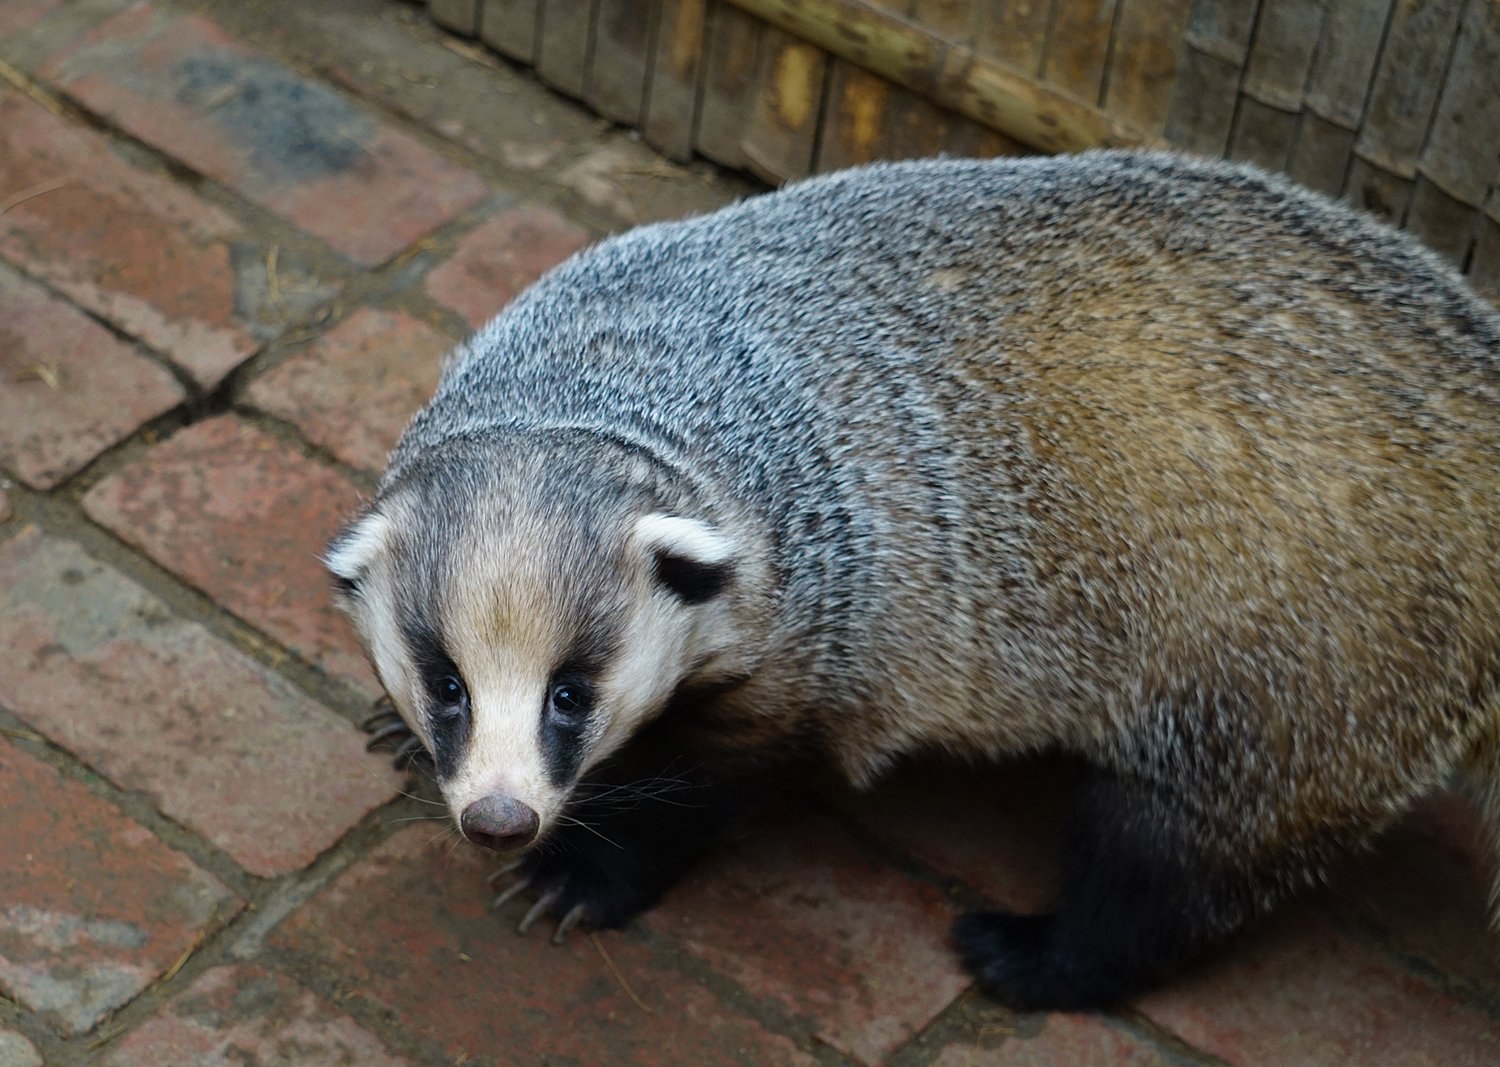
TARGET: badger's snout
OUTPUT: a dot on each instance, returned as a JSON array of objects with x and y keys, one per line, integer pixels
[{"x": 502, "y": 823}]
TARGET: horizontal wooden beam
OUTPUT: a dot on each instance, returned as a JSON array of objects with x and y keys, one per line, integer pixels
[{"x": 947, "y": 73}]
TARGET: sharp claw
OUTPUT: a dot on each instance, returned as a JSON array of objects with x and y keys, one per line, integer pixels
[
  {"x": 385, "y": 733},
  {"x": 375, "y": 722},
  {"x": 537, "y": 910},
  {"x": 504, "y": 896},
  {"x": 569, "y": 921},
  {"x": 509, "y": 868}
]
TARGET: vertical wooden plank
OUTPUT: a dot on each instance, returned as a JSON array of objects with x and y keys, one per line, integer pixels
[
  {"x": 1443, "y": 223},
  {"x": 920, "y": 127},
  {"x": 1484, "y": 262},
  {"x": 1281, "y": 56},
  {"x": 1014, "y": 32},
  {"x": 952, "y": 20},
  {"x": 1262, "y": 134},
  {"x": 857, "y": 117},
  {"x": 1079, "y": 46},
  {"x": 1143, "y": 62},
  {"x": 1222, "y": 28},
  {"x": 1463, "y": 145},
  {"x": 1203, "y": 102},
  {"x": 1339, "y": 82},
  {"x": 459, "y": 15},
  {"x": 728, "y": 97},
  {"x": 1320, "y": 159},
  {"x": 1407, "y": 81},
  {"x": 973, "y": 140},
  {"x": 672, "y": 104},
  {"x": 562, "y": 56},
  {"x": 1206, "y": 96},
  {"x": 1381, "y": 193},
  {"x": 782, "y": 136},
  {"x": 509, "y": 27},
  {"x": 620, "y": 58}
]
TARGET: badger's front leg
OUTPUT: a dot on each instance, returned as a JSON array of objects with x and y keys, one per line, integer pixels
[{"x": 632, "y": 830}]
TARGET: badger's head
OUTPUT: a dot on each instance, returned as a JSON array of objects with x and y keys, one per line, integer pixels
[{"x": 529, "y": 605}]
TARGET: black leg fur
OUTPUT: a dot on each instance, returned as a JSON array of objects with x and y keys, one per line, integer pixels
[
  {"x": 1139, "y": 898},
  {"x": 641, "y": 822}
]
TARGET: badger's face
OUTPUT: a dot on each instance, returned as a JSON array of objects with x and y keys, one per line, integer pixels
[{"x": 525, "y": 644}]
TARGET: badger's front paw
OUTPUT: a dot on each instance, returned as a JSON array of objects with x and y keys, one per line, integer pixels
[
  {"x": 595, "y": 887},
  {"x": 389, "y": 731}
]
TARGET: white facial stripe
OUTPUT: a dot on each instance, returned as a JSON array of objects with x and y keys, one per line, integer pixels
[{"x": 503, "y": 752}]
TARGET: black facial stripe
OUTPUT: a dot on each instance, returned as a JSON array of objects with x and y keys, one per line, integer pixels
[{"x": 448, "y": 733}]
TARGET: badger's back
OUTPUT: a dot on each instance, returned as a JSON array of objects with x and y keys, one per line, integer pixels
[{"x": 1047, "y": 446}]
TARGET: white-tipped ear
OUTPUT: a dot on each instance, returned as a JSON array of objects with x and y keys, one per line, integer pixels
[
  {"x": 691, "y": 558},
  {"x": 352, "y": 550}
]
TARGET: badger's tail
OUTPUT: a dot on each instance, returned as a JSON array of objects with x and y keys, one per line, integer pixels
[{"x": 1482, "y": 778}]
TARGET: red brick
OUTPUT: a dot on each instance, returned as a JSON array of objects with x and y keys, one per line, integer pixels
[
  {"x": 1064, "y": 1041},
  {"x": 243, "y": 517},
  {"x": 292, "y": 145},
  {"x": 232, "y": 1016},
  {"x": 996, "y": 827},
  {"x": 409, "y": 929},
  {"x": 220, "y": 744},
  {"x": 498, "y": 260},
  {"x": 17, "y": 16},
  {"x": 132, "y": 247},
  {"x": 798, "y": 915},
  {"x": 354, "y": 389},
  {"x": 17, "y": 1051},
  {"x": 1300, "y": 992},
  {"x": 71, "y": 388},
  {"x": 93, "y": 908}
]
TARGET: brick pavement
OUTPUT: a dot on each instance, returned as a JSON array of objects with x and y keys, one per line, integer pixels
[{"x": 235, "y": 241}]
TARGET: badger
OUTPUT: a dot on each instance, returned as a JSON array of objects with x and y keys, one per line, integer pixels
[{"x": 1160, "y": 462}]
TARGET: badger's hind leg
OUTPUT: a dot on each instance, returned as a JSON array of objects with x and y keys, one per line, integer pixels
[
  {"x": 1481, "y": 778},
  {"x": 1139, "y": 897}
]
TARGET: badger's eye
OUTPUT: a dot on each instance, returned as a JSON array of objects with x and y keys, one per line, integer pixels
[
  {"x": 449, "y": 691},
  {"x": 571, "y": 699}
]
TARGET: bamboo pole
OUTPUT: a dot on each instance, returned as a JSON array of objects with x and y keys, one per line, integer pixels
[{"x": 947, "y": 73}]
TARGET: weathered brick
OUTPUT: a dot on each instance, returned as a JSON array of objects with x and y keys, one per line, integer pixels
[
  {"x": 1301, "y": 992},
  {"x": 243, "y": 517},
  {"x": 290, "y": 144},
  {"x": 17, "y": 1051},
  {"x": 798, "y": 915},
  {"x": 410, "y": 930},
  {"x": 353, "y": 390},
  {"x": 1064, "y": 1041},
  {"x": 222, "y": 745},
  {"x": 92, "y": 906},
  {"x": 493, "y": 264},
  {"x": 997, "y": 827},
  {"x": 71, "y": 388},
  {"x": 132, "y": 247},
  {"x": 233, "y": 1016},
  {"x": 17, "y": 16}
]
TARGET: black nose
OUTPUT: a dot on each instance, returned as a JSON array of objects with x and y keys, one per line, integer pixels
[{"x": 499, "y": 822}]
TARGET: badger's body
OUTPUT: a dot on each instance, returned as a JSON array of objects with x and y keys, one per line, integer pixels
[{"x": 1160, "y": 462}]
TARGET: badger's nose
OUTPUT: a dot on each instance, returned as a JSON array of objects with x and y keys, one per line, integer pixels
[{"x": 499, "y": 822}]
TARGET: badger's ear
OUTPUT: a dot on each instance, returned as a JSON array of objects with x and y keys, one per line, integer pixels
[
  {"x": 354, "y": 548},
  {"x": 689, "y": 557}
]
